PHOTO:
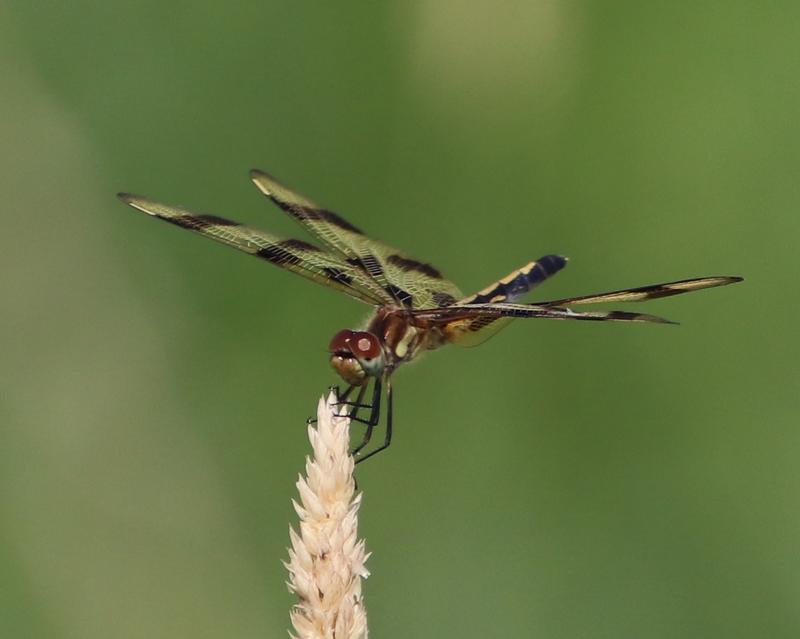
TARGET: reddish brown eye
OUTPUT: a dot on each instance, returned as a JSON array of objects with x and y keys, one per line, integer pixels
[
  {"x": 341, "y": 341},
  {"x": 365, "y": 345}
]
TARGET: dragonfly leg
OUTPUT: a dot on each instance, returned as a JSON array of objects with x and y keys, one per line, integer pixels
[
  {"x": 388, "y": 437},
  {"x": 356, "y": 405},
  {"x": 374, "y": 417},
  {"x": 340, "y": 399}
]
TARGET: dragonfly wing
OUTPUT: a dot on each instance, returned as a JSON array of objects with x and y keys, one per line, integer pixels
[
  {"x": 472, "y": 331},
  {"x": 464, "y": 324},
  {"x": 518, "y": 282},
  {"x": 651, "y": 292},
  {"x": 294, "y": 255},
  {"x": 513, "y": 286},
  {"x": 330, "y": 228},
  {"x": 483, "y": 320},
  {"x": 409, "y": 282}
]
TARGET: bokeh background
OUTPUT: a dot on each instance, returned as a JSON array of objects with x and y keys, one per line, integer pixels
[{"x": 562, "y": 480}]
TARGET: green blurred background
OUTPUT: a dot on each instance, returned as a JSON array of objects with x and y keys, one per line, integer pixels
[{"x": 564, "y": 479}]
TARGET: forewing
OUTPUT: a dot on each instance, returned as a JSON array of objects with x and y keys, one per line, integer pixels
[
  {"x": 294, "y": 255},
  {"x": 330, "y": 228},
  {"x": 408, "y": 281},
  {"x": 650, "y": 292},
  {"x": 414, "y": 284}
]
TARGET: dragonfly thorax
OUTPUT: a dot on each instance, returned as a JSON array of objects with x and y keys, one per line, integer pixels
[{"x": 356, "y": 356}]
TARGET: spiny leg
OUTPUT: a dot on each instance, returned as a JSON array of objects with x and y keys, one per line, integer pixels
[
  {"x": 341, "y": 397},
  {"x": 356, "y": 405},
  {"x": 374, "y": 417},
  {"x": 388, "y": 438}
]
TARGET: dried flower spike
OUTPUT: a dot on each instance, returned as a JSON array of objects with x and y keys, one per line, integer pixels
[{"x": 326, "y": 560}]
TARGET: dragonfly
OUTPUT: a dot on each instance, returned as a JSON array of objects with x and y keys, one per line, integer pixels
[{"x": 416, "y": 309}]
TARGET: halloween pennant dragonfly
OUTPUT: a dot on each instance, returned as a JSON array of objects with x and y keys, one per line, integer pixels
[{"x": 416, "y": 308}]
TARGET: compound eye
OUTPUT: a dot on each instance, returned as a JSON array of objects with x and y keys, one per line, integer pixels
[
  {"x": 341, "y": 342},
  {"x": 365, "y": 345}
]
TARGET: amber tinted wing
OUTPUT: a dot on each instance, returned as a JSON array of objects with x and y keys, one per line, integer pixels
[
  {"x": 651, "y": 292},
  {"x": 294, "y": 255},
  {"x": 408, "y": 281}
]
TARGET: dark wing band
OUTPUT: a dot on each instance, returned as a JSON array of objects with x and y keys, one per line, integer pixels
[{"x": 519, "y": 282}]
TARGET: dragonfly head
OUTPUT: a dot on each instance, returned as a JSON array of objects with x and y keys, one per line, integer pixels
[{"x": 356, "y": 355}]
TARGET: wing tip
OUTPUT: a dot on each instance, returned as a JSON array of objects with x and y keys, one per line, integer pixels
[
  {"x": 136, "y": 201},
  {"x": 722, "y": 280},
  {"x": 262, "y": 180}
]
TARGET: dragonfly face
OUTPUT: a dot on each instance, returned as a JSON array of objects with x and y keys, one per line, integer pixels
[
  {"x": 356, "y": 356},
  {"x": 415, "y": 307}
]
